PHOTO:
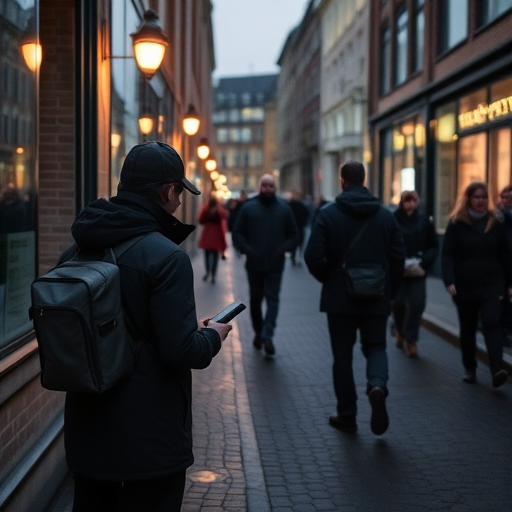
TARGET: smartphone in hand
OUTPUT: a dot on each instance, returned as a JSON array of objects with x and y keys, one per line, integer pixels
[{"x": 228, "y": 313}]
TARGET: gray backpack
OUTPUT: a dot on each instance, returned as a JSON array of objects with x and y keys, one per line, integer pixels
[{"x": 84, "y": 341}]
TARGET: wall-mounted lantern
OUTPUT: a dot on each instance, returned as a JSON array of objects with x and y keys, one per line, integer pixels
[
  {"x": 211, "y": 164},
  {"x": 191, "y": 121},
  {"x": 146, "y": 124},
  {"x": 203, "y": 150},
  {"x": 149, "y": 44},
  {"x": 31, "y": 49}
]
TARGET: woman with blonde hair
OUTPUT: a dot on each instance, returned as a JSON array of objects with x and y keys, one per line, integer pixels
[{"x": 476, "y": 264}]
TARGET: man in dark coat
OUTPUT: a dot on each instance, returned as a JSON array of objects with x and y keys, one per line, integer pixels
[
  {"x": 264, "y": 231},
  {"x": 381, "y": 244},
  {"x": 133, "y": 443}
]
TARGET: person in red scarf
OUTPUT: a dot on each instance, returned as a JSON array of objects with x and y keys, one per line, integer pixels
[{"x": 213, "y": 239}]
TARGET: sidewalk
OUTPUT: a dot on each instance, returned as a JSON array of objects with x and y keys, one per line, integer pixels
[
  {"x": 228, "y": 472},
  {"x": 441, "y": 318}
]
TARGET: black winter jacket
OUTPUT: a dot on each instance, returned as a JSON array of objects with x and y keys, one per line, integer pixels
[
  {"x": 419, "y": 236},
  {"x": 142, "y": 427},
  {"x": 477, "y": 263},
  {"x": 335, "y": 226},
  {"x": 264, "y": 231}
]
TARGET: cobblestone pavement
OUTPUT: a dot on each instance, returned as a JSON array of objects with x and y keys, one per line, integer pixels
[
  {"x": 447, "y": 448},
  {"x": 262, "y": 441}
]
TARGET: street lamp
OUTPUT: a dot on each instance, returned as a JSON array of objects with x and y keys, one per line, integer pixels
[
  {"x": 203, "y": 150},
  {"x": 211, "y": 164},
  {"x": 149, "y": 44},
  {"x": 31, "y": 49},
  {"x": 146, "y": 124},
  {"x": 191, "y": 121}
]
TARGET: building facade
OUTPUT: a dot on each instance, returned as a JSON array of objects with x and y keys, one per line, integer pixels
[
  {"x": 244, "y": 120},
  {"x": 440, "y": 91},
  {"x": 298, "y": 106},
  {"x": 66, "y": 124},
  {"x": 344, "y": 82}
]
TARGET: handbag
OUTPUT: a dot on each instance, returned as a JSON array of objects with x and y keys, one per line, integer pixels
[{"x": 364, "y": 281}]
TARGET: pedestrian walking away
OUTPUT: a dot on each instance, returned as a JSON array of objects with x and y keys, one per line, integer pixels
[
  {"x": 301, "y": 215},
  {"x": 476, "y": 262},
  {"x": 421, "y": 251},
  {"x": 265, "y": 231},
  {"x": 129, "y": 447},
  {"x": 213, "y": 238},
  {"x": 505, "y": 207},
  {"x": 356, "y": 231}
]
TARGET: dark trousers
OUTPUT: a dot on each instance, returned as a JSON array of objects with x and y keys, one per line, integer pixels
[
  {"x": 489, "y": 312},
  {"x": 408, "y": 307},
  {"x": 264, "y": 285},
  {"x": 343, "y": 331},
  {"x": 211, "y": 260},
  {"x": 156, "y": 495}
]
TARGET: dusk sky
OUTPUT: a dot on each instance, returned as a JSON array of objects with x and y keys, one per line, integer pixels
[{"x": 249, "y": 35}]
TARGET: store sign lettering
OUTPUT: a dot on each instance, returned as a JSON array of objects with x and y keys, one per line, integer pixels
[{"x": 484, "y": 113}]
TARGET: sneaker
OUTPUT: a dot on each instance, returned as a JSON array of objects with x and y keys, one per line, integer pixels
[
  {"x": 269, "y": 347},
  {"x": 380, "y": 420},
  {"x": 499, "y": 378},
  {"x": 469, "y": 376},
  {"x": 344, "y": 423},
  {"x": 257, "y": 342}
]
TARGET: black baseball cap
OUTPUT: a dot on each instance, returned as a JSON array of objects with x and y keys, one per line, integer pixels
[{"x": 154, "y": 162}]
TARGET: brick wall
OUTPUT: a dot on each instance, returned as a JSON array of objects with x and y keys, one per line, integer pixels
[{"x": 57, "y": 131}]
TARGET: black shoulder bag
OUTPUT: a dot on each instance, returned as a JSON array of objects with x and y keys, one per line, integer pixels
[{"x": 365, "y": 281}]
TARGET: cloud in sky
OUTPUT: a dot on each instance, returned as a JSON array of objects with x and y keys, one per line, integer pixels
[{"x": 249, "y": 35}]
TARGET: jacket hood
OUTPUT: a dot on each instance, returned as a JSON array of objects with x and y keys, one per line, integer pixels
[
  {"x": 108, "y": 223},
  {"x": 357, "y": 201}
]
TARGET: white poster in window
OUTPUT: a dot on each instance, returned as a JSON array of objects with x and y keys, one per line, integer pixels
[
  {"x": 407, "y": 179},
  {"x": 20, "y": 272}
]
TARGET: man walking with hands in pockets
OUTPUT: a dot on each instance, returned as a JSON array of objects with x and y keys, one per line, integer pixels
[{"x": 356, "y": 232}]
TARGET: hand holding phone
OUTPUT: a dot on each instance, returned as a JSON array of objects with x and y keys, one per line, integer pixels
[{"x": 228, "y": 313}]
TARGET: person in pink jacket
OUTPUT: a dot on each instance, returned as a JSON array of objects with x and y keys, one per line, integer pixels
[{"x": 213, "y": 218}]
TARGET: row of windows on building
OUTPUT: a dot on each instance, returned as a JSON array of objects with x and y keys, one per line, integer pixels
[
  {"x": 235, "y": 115},
  {"x": 233, "y": 99},
  {"x": 245, "y": 159},
  {"x": 16, "y": 84},
  {"x": 408, "y": 37},
  {"x": 246, "y": 134}
]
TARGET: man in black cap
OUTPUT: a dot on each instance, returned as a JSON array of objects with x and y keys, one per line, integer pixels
[{"x": 133, "y": 443}]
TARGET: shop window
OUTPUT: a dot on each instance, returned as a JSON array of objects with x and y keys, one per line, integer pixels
[
  {"x": 472, "y": 164},
  {"x": 443, "y": 127},
  {"x": 17, "y": 180},
  {"x": 401, "y": 42},
  {"x": 503, "y": 91},
  {"x": 499, "y": 160},
  {"x": 385, "y": 61},
  {"x": 491, "y": 9},
  {"x": 419, "y": 35},
  {"x": 471, "y": 110},
  {"x": 453, "y": 22}
]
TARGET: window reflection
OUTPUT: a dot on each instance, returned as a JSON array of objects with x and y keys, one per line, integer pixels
[{"x": 18, "y": 108}]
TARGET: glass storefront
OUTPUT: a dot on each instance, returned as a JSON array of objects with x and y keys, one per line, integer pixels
[
  {"x": 472, "y": 143},
  {"x": 403, "y": 151},
  {"x": 19, "y": 67}
]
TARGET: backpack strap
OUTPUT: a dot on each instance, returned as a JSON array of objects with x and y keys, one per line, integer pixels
[
  {"x": 112, "y": 254},
  {"x": 358, "y": 236}
]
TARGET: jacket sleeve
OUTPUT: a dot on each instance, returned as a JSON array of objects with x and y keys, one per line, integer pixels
[
  {"x": 178, "y": 342},
  {"x": 240, "y": 231},
  {"x": 396, "y": 257},
  {"x": 291, "y": 232},
  {"x": 315, "y": 254},
  {"x": 448, "y": 255},
  {"x": 431, "y": 245},
  {"x": 505, "y": 254}
]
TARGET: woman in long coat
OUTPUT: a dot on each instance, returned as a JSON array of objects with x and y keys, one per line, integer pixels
[
  {"x": 476, "y": 267},
  {"x": 213, "y": 238}
]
